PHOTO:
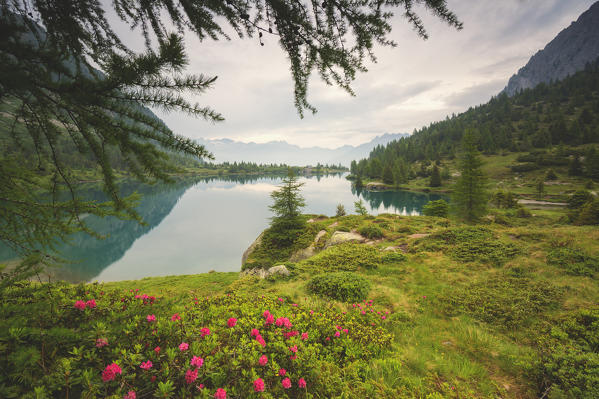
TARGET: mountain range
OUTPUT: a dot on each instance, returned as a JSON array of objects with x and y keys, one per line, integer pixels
[
  {"x": 227, "y": 150},
  {"x": 569, "y": 52}
]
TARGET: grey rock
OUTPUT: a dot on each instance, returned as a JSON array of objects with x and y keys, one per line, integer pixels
[
  {"x": 250, "y": 249},
  {"x": 566, "y": 54},
  {"x": 340, "y": 237},
  {"x": 280, "y": 269},
  {"x": 257, "y": 272}
]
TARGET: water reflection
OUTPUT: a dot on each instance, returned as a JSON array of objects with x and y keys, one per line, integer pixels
[{"x": 203, "y": 224}]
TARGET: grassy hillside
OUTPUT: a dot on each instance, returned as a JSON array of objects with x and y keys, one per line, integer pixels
[{"x": 497, "y": 310}]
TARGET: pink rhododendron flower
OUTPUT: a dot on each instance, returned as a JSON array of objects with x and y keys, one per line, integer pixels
[
  {"x": 292, "y": 357},
  {"x": 146, "y": 365},
  {"x": 258, "y": 385},
  {"x": 130, "y": 395},
  {"x": 91, "y": 303},
  {"x": 191, "y": 376},
  {"x": 301, "y": 383},
  {"x": 197, "y": 361},
  {"x": 153, "y": 378},
  {"x": 282, "y": 372},
  {"x": 261, "y": 341},
  {"x": 286, "y": 383},
  {"x": 157, "y": 350},
  {"x": 311, "y": 311},
  {"x": 231, "y": 322},
  {"x": 255, "y": 332},
  {"x": 269, "y": 319},
  {"x": 79, "y": 305},
  {"x": 281, "y": 300},
  {"x": 184, "y": 346},
  {"x": 383, "y": 317},
  {"x": 263, "y": 360},
  {"x": 327, "y": 339},
  {"x": 304, "y": 336},
  {"x": 220, "y": 394},
  {"x": 110, "y": 372},
  {"x": 175, "y": 317},
  {"x": 337, "y": 334},
  {"x": 204, "y": 331},
  {"x": 293, "y": 348},
  {"x": 345, "y": 330},
  {"x": 150, "y": 318},
  {"x": 266, "y": 313},
  {"x": 100, "y": 342},
  {"x": 363, "y": 312}
]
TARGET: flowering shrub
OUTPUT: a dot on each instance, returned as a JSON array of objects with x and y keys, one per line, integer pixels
[{"x": 111, "y": 349}]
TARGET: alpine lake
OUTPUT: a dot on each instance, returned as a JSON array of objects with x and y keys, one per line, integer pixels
[{"x": 202, "y": 224}]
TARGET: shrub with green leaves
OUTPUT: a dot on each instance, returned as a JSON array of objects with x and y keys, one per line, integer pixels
[
  {"x": 59, "y": 340},
  {"x": 570, "y": 357},
  {"x": 502, "y": 300},
  {"x": 573, "y": 261},
  {"x": 371, "y": 231},
  {"x": 348, "y": 257},
  {"x": 470, "y": 244},
  {"x": 437, "y": 208},
  {"x": 342, "y": 286}
]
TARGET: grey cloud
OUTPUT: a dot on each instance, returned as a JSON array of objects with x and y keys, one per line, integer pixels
[{"x": 474, "y": 95}]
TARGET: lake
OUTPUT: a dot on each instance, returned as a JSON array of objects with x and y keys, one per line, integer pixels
[{"x": 198, "y": 225}]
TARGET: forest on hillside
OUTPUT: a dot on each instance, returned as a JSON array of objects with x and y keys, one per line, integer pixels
[{"x": 562, "y": 116}]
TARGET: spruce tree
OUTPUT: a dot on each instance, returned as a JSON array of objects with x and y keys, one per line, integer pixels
[
  {"x": 287, "y": 205},
  {"x": 435, "y": 179},
  {"x": 387, "y": 174},
  {"x": 469, "y": 198}
]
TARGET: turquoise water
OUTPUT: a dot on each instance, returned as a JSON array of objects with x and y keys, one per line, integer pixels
[{"x": 204, "y": 224}]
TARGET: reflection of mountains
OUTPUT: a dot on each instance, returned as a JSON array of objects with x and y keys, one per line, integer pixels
[
  {"x": 403, "y": 202},
  {"x": 243, "y": 179},
  {"x": 90, "y": 256}
]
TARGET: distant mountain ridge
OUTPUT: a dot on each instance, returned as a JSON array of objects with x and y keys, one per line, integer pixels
[
  {"x": 566, "y": 54},
  {"x": 227, "y": 150}
]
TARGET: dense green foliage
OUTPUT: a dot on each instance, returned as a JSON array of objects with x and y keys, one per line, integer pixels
[
  {"x": 341, "y": 286},
  {"x": 371, "y": 231},
  {"x": 437, "y": 208},
  {"x": 541, "y": 118},
  {"x": 488, "y": 300},
  {"x": 574, "y": 261}
]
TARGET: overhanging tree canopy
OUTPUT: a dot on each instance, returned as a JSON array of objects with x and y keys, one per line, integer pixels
[{"x": 67, "y": 77}]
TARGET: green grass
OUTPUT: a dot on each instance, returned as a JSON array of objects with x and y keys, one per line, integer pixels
[{"x": 465, "y": 324}]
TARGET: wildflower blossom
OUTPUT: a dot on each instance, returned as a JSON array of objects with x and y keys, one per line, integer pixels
[
  {"x": 269, "y": 319},
  {"x": 259, "y": 385},
  {"x": 286, "y": 383},
  {"x": 304, "y": 336},
  {"x": 301, "y": 383},
  {"x": 157, "y": 350},
  {"x": 79, "y": 305},
  {"x": 282, "y": 372},
  {"x": 337, "y": 334},
  {"x": 196, "y": 361},
  {"x": 191, "y": 376},
  {"x": 261, "y": 341},
  {"x": 146, "y": 365},
  {"x": 91, "y": 303},
  {"x": 130, "y": 395},
  {"x": 263, "y": 360},
  {"x": 184, "y": 346},
  {"x": 151, "y": 318},
  {"x": 255, "y": 332},
  {"x": 175, "y": 317},
  {"x": 204, "y": 331},
  {"x": 220, "y": 394},
  {"x": 100, "y": 342},
  {"x": 110, "y": 372},
  {"x": 293, "y": 348},
  {"x": 231, "y": 322}
]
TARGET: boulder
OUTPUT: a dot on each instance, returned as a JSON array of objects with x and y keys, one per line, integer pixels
[
  {"x": 258, "y": 272},
  {"x": 250, "y": 249},
  {"x": 340, "y": 237},
  {"x": 280, "y": 269},
  {"x": 306, "y": 253}
]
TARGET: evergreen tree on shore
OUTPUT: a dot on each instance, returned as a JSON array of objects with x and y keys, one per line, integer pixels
[
  {"x": 469, "y": 198},
  {"x": 435, "y": 179}
]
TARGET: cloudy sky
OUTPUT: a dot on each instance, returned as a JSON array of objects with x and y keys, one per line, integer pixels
[{"x": 414, "y": 84}]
